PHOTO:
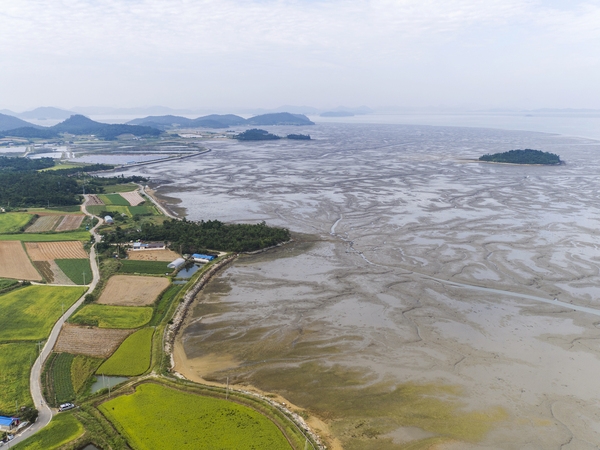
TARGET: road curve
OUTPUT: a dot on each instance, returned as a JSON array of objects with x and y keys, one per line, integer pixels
[{"x": 35, "y": 377}]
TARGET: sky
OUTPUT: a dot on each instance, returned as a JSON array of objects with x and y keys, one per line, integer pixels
[{"x": 522, "y": 54}]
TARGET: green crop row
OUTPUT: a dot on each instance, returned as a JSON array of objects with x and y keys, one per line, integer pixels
[
  {"x": 78, "y": 270},
  {"x": 105, "y": 316},
  {"x": 60, "y": 373},
  {"x": 113, "y": 199},
  {"x": 15, "y": 364},
  {"x": 132, "y": 358},
  {"x": 47, "y": 237},
  {"x": 144, "y": 267}
]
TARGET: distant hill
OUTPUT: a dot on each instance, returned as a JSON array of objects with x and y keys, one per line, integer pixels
[
  {"x": 10, "y": 122},
  {"x": 283, "y": 118},
  {"x": 337, "y": 114},
  {"x": 31, "y": 133},
  {"x": 164, "y": 121},
  {"x": 46, "y": 112},
  {"x": 527, "y": 156},
  {"x": 79, "y": 124},
  {"x": 256, "y": 134},
  {"x": 226, "y": 120}
]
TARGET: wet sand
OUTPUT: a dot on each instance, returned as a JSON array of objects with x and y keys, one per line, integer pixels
[{"x": 414, "y": 316}]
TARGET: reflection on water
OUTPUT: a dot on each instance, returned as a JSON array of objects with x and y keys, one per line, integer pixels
[
  {"x": 400, "y": 219},
  {"x": 187, "y": 272},
  {"x": 103, "y": 382}
]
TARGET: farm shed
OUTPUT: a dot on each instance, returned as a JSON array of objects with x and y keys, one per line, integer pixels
[
  {"x": 176, "y": 264},
  {"x": 8, "y": 423},
  {"x": 109, "y": 220},
  {"x": 149, "y": 246},
  {"x": 199, "y": 257}
]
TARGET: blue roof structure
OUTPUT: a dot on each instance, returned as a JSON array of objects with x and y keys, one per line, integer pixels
[
  {"x": 201, "y": 256},
  {"x": 6, "y": 421}
]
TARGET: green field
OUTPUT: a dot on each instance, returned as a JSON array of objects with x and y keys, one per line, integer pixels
[
  {"x": 82, "y": 368},
  {"x": 156, "y": 416},
  {"x": 162, "y": 305},
  {"x": 63, "y": 428},
  {"x": 97, "y": 209},
  {"x": 30, "y": 313},
  {"x": 6, "y": 284},
  {"x": 143, "y": 210},
  {"x": 75, "y": 269},
  {"x": 132, "y": 358},
  {"x": 60, "y": 386},
  {"x": 13, "y": 222},
  {"x": 145, "y": 267},
  {"x": 113, "y": 199},
  {"x": 15, "y": 362},
  {"x": 66, "y": 209},
  {"x": 106, "y": 316},
  {"x": 120, "y": 188},
  {"x": 49, "y": 237}
]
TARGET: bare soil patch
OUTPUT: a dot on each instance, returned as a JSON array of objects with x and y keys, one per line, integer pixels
[
  {"x": 134, "y": 198},
  {"x": 14, "y": 262},
  {"x": 128, "y": 290},
  {"x": 47, "y": 251},
  {"x": 70, "y": 223},
  {"x": 152, "y": 255},
  {"x": 90, "y": 341},
  {"x": 93, "y": 200},
  {"x": 43, "y": 223}
]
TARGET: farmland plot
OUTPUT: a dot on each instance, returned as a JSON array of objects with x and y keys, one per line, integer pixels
[
  {"x": 127, "y": 290},
  {"x": 14, "y": 262},
  {"x": 93, "y": 199},
  {"x": 106, "y": 316},
  {"x": 96, "y": 342},
  {"x": 47, "y": 251},
  {"x": 113, "y": 199},
  {"x": 134, "y": 198},
  {"x": 70, "y": 223},
  {"x": 43, "y": 224},
  {"x": 152, "y": 255},
  {"x": 63, "y": 428},
  {"x": 15, "y": 362},
  {"x": 156, "y": 416},
  {"x": 132, "y": 358},
  {"x": 30, "y": 312},
  {"x": 52, "y": 272},
  {"x": 13, "y": 222}
]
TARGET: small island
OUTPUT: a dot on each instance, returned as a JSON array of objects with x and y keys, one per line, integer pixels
[
  {"x": 256, "y": 134},
  {"x": 527, "y": 156},
  {"x": 300, "y": 137}
]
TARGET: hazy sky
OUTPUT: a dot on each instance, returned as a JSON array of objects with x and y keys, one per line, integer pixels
[{"x": 265, "y": 53}]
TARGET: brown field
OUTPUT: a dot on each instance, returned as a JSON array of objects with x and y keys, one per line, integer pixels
[
  {"x": 47, "y": 251},
  {"x": 128, "y": 290},
  {"x": 70, "y": 223},
  {"x": 52, "y": 273},
  {"x": 152, "y": 255},
  {"x": 90, "y": 341},
  {"x": 43, "y": 223},
  {"x": 134, "y": 198},
  {"x": 93, "y": 199},
  {"x": 14, "y": 262}
]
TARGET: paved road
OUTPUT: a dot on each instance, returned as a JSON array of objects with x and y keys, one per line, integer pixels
[
  {"x": 160, "y": 207},
  {"x": 35, "y": 382}
]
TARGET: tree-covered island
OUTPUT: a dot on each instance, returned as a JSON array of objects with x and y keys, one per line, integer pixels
[
  {"x": 256, "y": 134},
  {"x": 527, "y": 156}
]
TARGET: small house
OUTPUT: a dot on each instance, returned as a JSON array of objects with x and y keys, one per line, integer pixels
[
  {"x": 8, "y": 423},
  {"x": 109, "y": 220},
  {"x": 179, "y": 262}
]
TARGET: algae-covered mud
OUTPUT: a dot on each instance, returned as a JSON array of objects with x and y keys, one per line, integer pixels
[{"x": 417, "y": 308}]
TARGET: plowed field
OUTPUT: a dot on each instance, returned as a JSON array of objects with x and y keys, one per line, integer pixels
[
  {"x": 134, "y": 198},
  {"x": 99, "y": 342},
  {"x": 94, "y": 200},
  {"x": 47, "y": 251},
  {"x": 70, "y": 223},
  {"x": 127, "y": 290},
  {"x": 14, "y": 262},
  {"x": 43, "y": 224},
  {"x": 152, "y": 255}
]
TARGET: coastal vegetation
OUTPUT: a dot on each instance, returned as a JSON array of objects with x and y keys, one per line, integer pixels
[
  {"x": 527, "y": 156},
  {"x": 156, "y": 416},
  {"x": 196, "y": 237}
]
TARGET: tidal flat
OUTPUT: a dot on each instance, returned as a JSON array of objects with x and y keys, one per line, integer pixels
[{"x": 416, "y": 308}]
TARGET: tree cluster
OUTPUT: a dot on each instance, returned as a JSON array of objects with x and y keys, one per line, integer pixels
[
  {"x": 527, "y": 156},
  {"x": 24, "y": 164},
  {"x": 197, "y": 237},
  {"x": 256, "y": 134}
]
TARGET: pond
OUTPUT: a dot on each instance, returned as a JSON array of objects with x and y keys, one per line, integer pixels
[
  {"x": 105, "y": 382},
  {"x": 187, "y": 272}
]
